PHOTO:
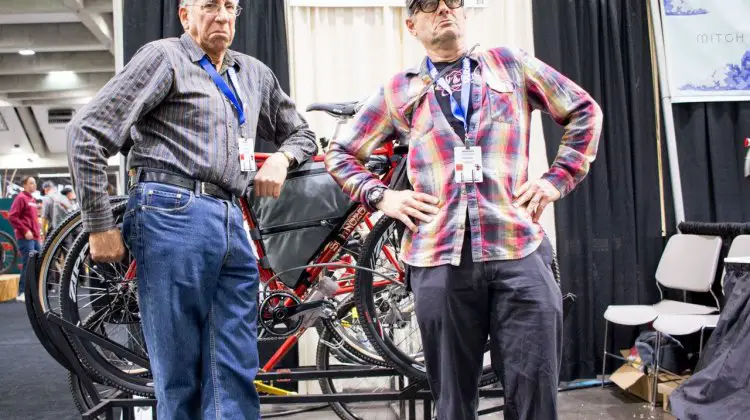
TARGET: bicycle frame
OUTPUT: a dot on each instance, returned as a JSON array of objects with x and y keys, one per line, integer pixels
[
  {"x": 358, "y": 215},
  {"x": 355, "y": 217}
]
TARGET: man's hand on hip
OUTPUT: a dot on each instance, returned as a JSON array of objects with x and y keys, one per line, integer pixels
[
  {"x": 29, "y": 235},
  {"x": 402, "y": 205},
  {"x": 271, "y": 176},
  {"x": 537, "y": 194},
  {"x": 106, "y": 246}
]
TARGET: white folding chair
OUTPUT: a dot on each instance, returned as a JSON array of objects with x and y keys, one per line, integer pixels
[
  {"x": 688, "y": 263},
  {"x": 680, "y": 324}
]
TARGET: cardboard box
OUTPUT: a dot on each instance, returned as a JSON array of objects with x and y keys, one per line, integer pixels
[
  {"x": 9, "y": 287},
  {"x": 665, "y": 389},
  {"x": 631, "y": 378}
]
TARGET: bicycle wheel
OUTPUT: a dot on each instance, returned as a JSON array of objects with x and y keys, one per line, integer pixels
[
  {"x": 101, "y": 294},
  {"x": 55, "y": 249},
  {"x": 331, "y": 354},
  {"x": 8, "y": 252},
  {"x": 82, "y": 399},
  {"x": 49, "y": 269},
  {"x": 385, "y": 319}
]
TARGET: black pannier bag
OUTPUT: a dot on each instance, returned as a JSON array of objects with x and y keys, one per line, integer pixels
[{"x": 295, "y": 226}]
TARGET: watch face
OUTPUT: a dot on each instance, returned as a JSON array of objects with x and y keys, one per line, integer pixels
[{"x": 376, "y": 194}]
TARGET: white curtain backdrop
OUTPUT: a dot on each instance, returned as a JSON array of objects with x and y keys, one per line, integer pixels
[
  {"x": 340, "y": 54},
  {"x": 345, "y": 53}
]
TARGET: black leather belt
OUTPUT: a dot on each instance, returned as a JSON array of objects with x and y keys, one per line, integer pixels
[{"x": 205, "y": 188}]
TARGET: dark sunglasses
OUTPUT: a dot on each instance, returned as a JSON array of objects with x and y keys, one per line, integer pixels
[{"x": 429, "y": 6}]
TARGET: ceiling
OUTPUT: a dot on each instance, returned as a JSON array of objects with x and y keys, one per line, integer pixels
[{"x": 73, "y": 44}]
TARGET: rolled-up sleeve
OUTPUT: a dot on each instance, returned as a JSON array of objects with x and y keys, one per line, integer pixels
[
  {"x": 101, "y": 127},
  {"x": 371, "y": 128},
  {"x": 573, "y": 108},
  {"x": 281, "y": 123}
]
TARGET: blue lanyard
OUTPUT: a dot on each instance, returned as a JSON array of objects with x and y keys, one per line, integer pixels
[
  {"x": 224, "y": 87},
  {"x": 459, "y": 110}
]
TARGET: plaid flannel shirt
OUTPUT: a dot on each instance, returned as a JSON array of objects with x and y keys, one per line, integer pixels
[{"x": 507, "y": 85}]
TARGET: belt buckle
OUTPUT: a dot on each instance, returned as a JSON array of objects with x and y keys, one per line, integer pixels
[{"x": 203, "y": 188}]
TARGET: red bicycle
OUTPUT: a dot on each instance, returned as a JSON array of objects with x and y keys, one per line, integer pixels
[{"x": 318, "y": 293}]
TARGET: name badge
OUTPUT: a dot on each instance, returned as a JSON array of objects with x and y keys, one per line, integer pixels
[
  {"x": 247, "y": 154},
  {"x": 468, "y": 164}
]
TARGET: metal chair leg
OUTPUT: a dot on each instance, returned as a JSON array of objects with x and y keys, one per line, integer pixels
[
  {"x": 655, "y": 381},
  {"x": 604, "y": 355}
]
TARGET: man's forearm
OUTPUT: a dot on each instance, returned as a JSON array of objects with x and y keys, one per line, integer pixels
[
  {"x": 90, "y": 177},
  {"x": 300, "y": 144}
]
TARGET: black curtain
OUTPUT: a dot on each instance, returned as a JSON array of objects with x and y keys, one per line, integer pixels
[
  {"x": 260, "y": 32},
  {"x": 609, "y": 230},
  {"x": 710, "y": 145}
]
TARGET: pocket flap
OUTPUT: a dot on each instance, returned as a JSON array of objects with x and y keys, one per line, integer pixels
[{"x": 499, "y": 85}]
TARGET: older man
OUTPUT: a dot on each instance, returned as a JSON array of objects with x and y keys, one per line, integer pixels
[
  {"x": 193, "y": 109},
  {"x": 480, "y": 262}
]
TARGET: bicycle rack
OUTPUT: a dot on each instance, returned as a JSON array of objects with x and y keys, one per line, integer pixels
[
  {"x": 407, "y": 396},
  {"x": 51, "y": 327}
]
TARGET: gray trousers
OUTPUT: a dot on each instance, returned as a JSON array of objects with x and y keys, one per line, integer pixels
[{"x": 518, "y": 305}]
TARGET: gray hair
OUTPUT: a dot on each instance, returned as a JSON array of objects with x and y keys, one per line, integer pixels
[{"x": 409, "y": 7}]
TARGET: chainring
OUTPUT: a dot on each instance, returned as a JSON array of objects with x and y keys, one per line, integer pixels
[{"x": 272, "y": 315}]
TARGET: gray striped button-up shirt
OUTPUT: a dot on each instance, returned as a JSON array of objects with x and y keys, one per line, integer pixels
[{"x": 179, "y": 121}]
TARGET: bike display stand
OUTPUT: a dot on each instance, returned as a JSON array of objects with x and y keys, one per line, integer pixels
[
  {"x": 53, "y": 327},
  {"x": 407, "y": 397},
  {"x": 56, "y": 331}
]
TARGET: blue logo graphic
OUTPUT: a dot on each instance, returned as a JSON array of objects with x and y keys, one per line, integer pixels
[
  {"x": 681, "y": 8},
  {"x": 735, "y": 77}
]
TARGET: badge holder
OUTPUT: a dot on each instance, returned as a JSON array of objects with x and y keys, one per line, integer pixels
[{"x": 468, "y": 165}]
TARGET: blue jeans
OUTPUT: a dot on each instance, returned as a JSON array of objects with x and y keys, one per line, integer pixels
[
  {"x": 197, "y": 285},
  {"x": 25, "y": 246}
]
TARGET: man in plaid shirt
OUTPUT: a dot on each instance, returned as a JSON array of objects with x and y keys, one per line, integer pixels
[{"x": 480, "y": 262}]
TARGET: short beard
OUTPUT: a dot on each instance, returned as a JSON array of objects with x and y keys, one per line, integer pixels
[{"x": 446, "y": 37}]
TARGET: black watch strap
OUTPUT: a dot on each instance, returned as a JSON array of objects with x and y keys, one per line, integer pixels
[{"x": 375, "y": 196}]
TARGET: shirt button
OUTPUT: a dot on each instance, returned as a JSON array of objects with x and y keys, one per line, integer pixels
[{"x": 226, "y": 180}]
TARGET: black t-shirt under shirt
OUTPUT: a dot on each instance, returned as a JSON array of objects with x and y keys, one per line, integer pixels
[{"x": 453, "y": 77}]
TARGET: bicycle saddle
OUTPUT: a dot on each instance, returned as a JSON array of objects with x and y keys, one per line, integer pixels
[{"x": 337, "y": 109}]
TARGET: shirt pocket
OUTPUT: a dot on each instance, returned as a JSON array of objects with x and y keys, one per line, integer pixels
[
  {"x": 502, "y": 99},
  {"x": 423, "y": 154}
]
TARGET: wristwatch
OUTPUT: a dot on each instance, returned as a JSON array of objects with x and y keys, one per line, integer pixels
[
  {"x": 290, "y": 158},
  {"x": 375, "y": 196}
]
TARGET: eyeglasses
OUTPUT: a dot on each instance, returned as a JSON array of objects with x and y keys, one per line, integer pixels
[
  {"x": 213, "y": 8},
  {"x": 430, "y": 6}
]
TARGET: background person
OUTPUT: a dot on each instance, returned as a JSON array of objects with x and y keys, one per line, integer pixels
[
  {"x": 24, "y": 217},
  {"x": 55, "y": 207}
]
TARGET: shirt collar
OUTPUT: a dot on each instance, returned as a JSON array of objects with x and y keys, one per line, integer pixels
[
  {"x": 196, "y": 53},
  {"x": 423, "y": 71}
]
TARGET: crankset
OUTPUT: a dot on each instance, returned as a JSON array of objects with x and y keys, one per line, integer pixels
[{"x": 282, "y": 314}]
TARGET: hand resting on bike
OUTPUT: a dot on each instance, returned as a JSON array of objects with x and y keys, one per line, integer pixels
[
  {"x": 106, "y": 246},
  {"x": 271, "y": 176}
]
